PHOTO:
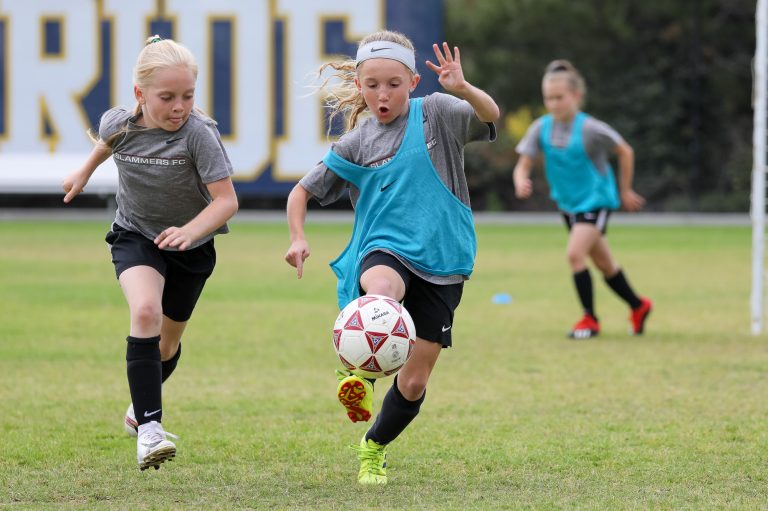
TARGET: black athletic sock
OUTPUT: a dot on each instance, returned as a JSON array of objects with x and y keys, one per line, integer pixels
[
  {"x": 395, "y": 415},
  {"x": 145, "y": 378},
  {"x": 170, "y": 365},
  {"x": 621, "y": 287},
  {"x": 583, "y": 282}
]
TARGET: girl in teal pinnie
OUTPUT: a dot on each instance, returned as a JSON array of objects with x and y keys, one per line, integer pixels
[
  {"x": 576, "y": 149},
  {"x": 413, "y": 238}
]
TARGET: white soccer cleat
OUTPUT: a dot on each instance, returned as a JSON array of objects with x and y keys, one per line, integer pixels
[
  {"x": 130, "y": 424},
  {"x": 153, "y": 446}
]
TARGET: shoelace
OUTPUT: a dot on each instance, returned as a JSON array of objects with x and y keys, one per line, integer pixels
[
  {"x": 157, "y": 434},
  {"x": 371, "y": 459}
]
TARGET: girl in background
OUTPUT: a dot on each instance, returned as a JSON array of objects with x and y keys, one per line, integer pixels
[
  {"x": 414, "y": 238},
  {"x": 174, "y": 195},
  {"x": 576, "y": 149}
]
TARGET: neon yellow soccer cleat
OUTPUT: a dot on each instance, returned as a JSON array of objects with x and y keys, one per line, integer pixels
[
  {"x": 373, "y": 462},
  {"x": 356, "y": 395}
]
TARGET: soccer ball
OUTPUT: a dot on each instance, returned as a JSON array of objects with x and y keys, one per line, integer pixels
[{"x": 373, "y": 336}]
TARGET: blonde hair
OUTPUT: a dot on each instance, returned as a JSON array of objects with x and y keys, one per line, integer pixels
[
  {"x": 344, "y": 98},
  {"x": 158, "y": 54},
  {"x": 563, "y": 69}
]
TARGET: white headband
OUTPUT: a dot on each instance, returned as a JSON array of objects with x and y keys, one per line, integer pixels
[{"x": 387, "y": 50}]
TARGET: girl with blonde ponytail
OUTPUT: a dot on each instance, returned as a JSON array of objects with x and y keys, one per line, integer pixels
[
  {"x": 174, "y": 195},
  {"x": 344, "y": 98},
  {"x": 402, "y": 160}
]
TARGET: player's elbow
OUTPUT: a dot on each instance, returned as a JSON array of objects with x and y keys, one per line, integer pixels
[
  {"x": 489, "y": 114},
  {"x": 298, "y": 196},
  {"x": 625, "y": 151},
  {"x": 234, "y": 205},
  {"x": 495, "y": 113},
  {"x": 229, "y": 203}
]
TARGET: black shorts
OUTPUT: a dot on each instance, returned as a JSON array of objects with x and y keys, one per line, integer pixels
[
  {"x": 185, "y": 272},
  {"x": 598, "y": 218},
  {"x": 431, "y": 306}
]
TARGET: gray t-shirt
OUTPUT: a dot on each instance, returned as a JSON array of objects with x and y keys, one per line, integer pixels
[
  {"x": 449, "y": 124},
  {"x": 162, "y": 174},
  {"x": 599, "y": 140}
]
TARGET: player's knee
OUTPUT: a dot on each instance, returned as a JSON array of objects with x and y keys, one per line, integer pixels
[
  {"x": 147, "y": 315},
  {"x": 168, "y": 348},
  {"x": 382, "y": 286},
  {"x": 575, "y": 258},
  {"x": 412, "y": 388}
]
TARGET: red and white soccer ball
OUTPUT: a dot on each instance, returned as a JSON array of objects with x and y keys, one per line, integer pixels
[{"x": 374, "y": 336}]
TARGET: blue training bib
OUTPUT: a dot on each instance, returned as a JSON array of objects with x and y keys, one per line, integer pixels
[
  {"x": 576, "y": 185},
  {"x": 404, "y": 207}
]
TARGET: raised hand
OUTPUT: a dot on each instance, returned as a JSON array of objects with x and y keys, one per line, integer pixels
[{"x": 449, "y": 72}]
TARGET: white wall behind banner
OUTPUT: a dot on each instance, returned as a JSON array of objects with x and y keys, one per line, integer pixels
[{"x": 64, "y": 62}]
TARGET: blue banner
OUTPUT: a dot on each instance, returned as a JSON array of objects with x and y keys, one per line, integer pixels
[{"x": 67, "y": 61}]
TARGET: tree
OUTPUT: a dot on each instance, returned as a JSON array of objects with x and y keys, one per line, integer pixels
[{"x": 673, "y": 78}]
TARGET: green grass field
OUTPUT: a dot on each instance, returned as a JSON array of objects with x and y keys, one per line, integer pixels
[{"x": 516, "y": 417}]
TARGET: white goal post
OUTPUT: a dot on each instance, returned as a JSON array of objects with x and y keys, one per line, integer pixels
[{"x": 760, "y": 77}]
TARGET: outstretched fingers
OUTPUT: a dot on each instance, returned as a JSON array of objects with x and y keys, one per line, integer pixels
[
  {"x": 444, "y": 54},
  {"x": 446, "y": 60},
  {"x": 456, "y": 54},
  {"x": 439, "y": 54}
]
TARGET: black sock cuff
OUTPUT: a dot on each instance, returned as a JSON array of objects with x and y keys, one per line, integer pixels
[
  {"x": 169, "y": 366},
  {"x": 405, "y": 403},
  {"x": 619, "y": 275},
  {"x": 143, "y": 349},
  {"x": 174, "y": 358},
  {"x": 143, "y": 340}
]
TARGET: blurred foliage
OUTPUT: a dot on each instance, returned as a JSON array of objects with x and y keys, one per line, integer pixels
[{"x": 674, "y": 78}]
